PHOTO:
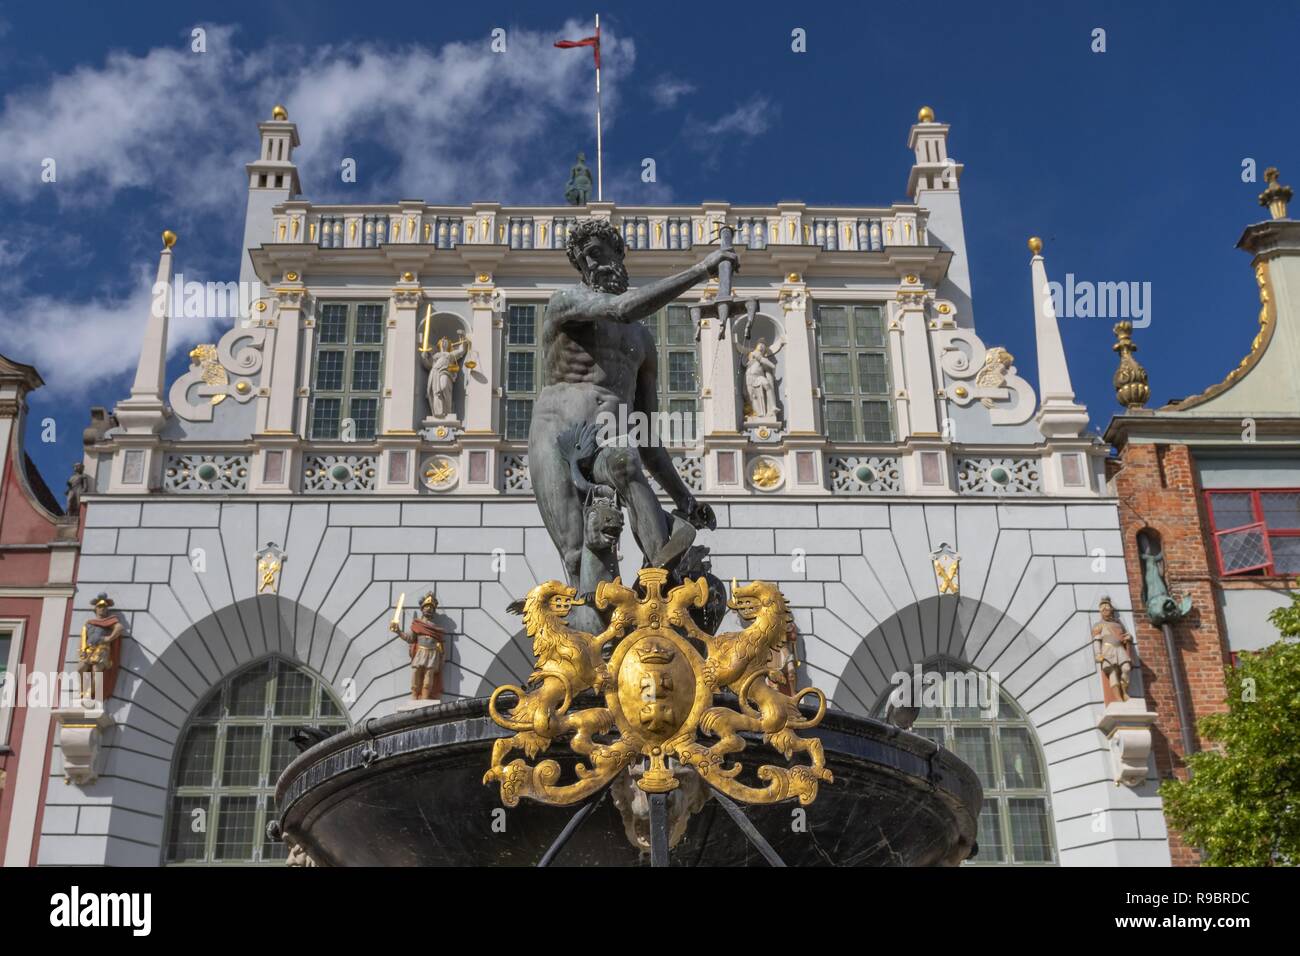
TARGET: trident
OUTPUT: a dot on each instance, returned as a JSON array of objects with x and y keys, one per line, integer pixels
[{"x": 724, "y": 302}]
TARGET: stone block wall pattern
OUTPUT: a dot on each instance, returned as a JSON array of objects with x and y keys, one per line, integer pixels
[{"x": 858, "y": 576}]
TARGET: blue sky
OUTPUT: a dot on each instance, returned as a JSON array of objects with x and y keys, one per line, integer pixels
[{"x": 1128, "y": 163}]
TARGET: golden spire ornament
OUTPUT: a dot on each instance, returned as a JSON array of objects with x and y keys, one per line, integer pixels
[
  {"x": 1276, "y": 196},
  {"x": 1130, "y": 380}
]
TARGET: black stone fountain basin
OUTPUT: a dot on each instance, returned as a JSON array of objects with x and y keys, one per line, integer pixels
[{"x": 406, "y": 790}]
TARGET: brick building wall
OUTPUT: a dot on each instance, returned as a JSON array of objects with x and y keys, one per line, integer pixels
[{"x": 1157, "y": 489}]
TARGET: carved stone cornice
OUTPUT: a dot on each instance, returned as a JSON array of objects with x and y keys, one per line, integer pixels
[
  {"x": 291, "y": 297},
  {"x": 484, "y": 298},
  {"x": 408, "y": 297},
  {"x": 793, "y": 298}
]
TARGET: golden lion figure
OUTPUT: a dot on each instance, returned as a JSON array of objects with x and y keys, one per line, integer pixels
[
  {"x": 739, "y": 661},
  {"x": 568, "y": 662}
]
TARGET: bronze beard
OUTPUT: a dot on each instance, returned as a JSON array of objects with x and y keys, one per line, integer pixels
[{"x": 610, "y": 278}]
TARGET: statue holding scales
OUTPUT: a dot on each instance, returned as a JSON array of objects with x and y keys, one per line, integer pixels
[{"x": 443, "y": 364}]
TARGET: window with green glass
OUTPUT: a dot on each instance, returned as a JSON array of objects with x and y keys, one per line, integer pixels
[
  {"x": 999, "y": 744},
  {"x": 347, "y": 373},
  {"x": 854, "y": 360},
  {"x": 5, "y": 712},
  {"x": 231, "y": 753},
  {"x": 678, "y": 358},
  {"x": 523, "y": 367}
]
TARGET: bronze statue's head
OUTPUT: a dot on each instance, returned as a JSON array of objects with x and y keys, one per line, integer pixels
[
  {"x": 596, "y": 250},
  {"x": 429, "y": 605}
]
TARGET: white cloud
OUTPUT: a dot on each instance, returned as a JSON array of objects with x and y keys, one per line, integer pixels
[
  {"x": 459, "y": 122},
  {"x": 451, "y": 124},
  {"x": 667, "y": 91},
  {"x": 78, "y": 346},
  {"x": 749, "y": 119},
  {"x": 134, "y": 122},
  {"x": 13, "y": 250}
]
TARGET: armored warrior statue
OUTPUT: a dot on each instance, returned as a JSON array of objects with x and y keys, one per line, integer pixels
[
  {"x": 428, "y": 649},
  {"x": 578, "y": 189},
  {"x": 78, "y": 485},
  {"x": 98, "y": 653},
  {"x": 598, "y": 360},
  {"x": 760, "y": 377},
  {"x": 444, "y": 366},
  {"x": 1112, "y": 650}
]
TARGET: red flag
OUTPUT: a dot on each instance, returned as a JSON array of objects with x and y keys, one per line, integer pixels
[{"x": 592, "y": 41}]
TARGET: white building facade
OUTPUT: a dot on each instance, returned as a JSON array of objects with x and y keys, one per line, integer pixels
[{"x": 256, "y": 520}]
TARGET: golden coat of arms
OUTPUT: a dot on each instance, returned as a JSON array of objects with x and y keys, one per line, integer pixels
[{"x": 658, "y": 691}]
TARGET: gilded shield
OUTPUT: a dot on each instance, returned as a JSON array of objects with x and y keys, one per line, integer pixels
[{"x": 656, "y": 685}]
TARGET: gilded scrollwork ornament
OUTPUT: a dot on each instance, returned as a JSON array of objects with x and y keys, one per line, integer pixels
[{"x": 658, "y": 695}]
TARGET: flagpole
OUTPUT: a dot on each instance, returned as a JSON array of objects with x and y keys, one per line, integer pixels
[{"x": 600, "y": 153}]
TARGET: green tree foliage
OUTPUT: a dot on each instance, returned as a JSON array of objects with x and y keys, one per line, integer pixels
[{"x": 1241, "y": 806}]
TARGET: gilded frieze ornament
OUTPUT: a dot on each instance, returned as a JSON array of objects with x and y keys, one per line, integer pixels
[
  {"x": 947, "y": 563},
  {"x": 993, "y": 373},
  {"x": 210, "y": 369},
  {"x": 658, "y": 695},
  {"x": 1130, "y": 380},
  {"x": 269, "y": 562},
  {"x": 439, "y": 473},
  {"x": 766, "y": 474}
]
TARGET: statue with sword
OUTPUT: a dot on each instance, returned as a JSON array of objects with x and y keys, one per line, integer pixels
[{"x": 428, "y": 648}]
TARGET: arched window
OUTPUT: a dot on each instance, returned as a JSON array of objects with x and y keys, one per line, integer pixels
[
  {"x": 231, "y": 753},
  {"x": 999, "y": 744}
]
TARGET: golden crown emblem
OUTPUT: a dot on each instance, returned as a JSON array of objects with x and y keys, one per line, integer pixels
[{"x": 658, "y": 694}]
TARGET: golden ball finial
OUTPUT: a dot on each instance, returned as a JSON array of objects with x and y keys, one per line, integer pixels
[
  {"x": 169, "y": 238},
  {"x": 1035, "y": 245},
  {"x": 279, "y": 112},
  {"x": 926, "y": 115}
]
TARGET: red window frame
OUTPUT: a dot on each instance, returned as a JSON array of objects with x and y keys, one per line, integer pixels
[{"x": 1257, "y": 511}]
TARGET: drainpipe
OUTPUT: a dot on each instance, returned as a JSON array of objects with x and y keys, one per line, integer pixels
[{"x": 1180, "y": 692}]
